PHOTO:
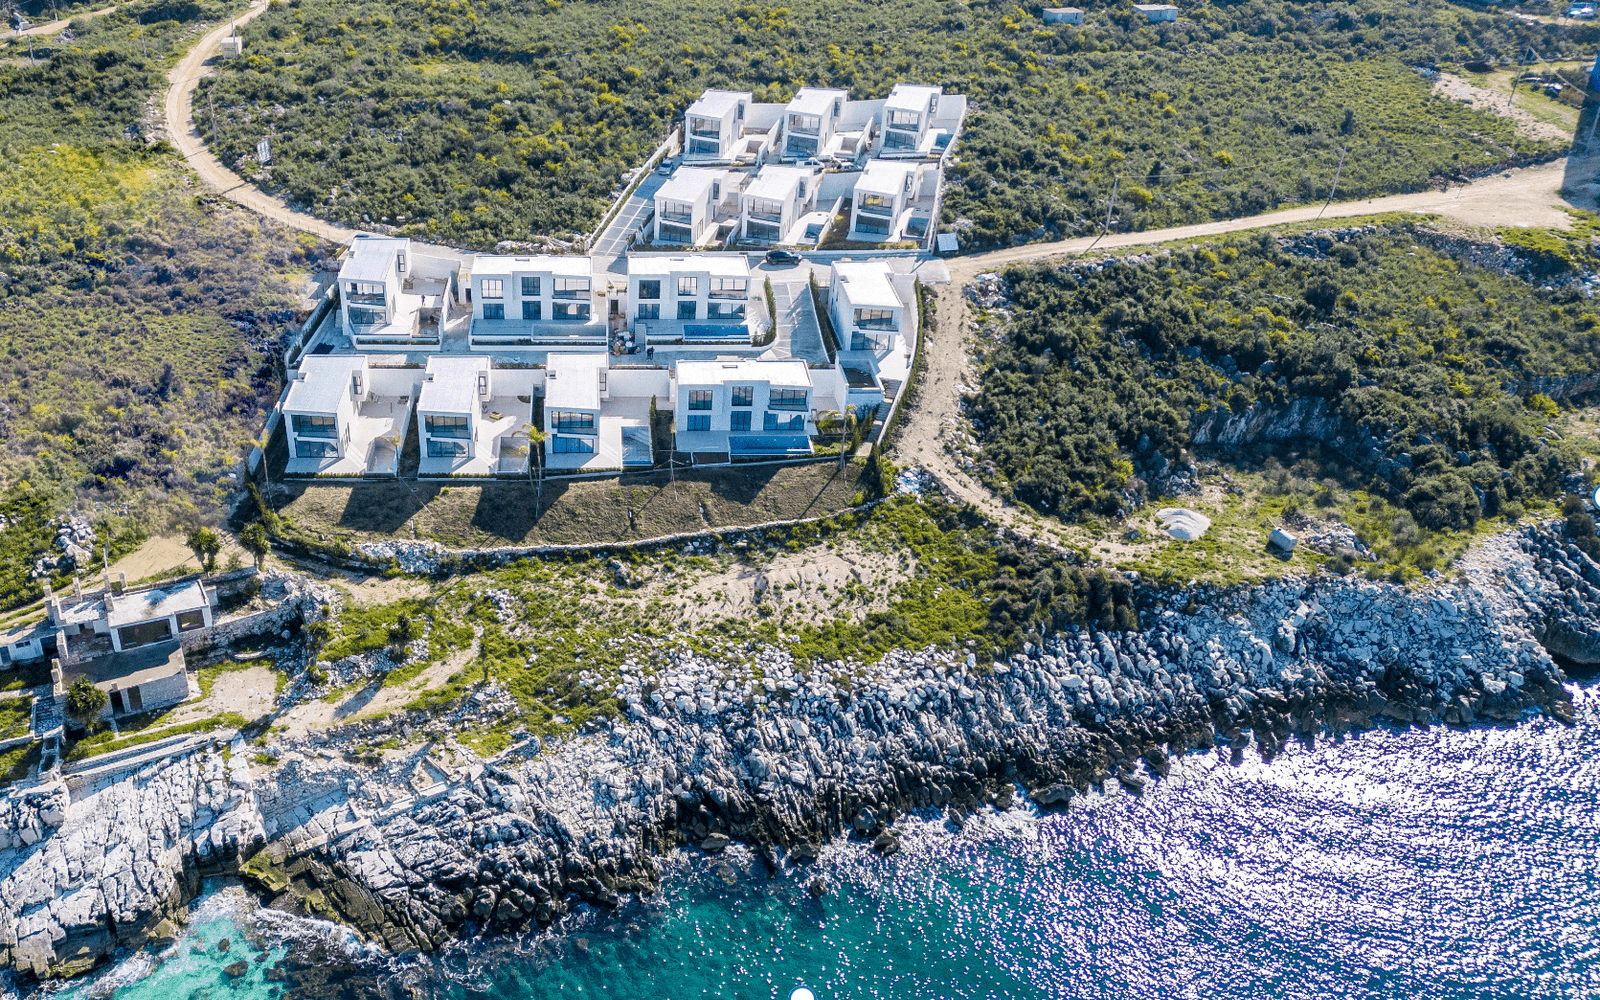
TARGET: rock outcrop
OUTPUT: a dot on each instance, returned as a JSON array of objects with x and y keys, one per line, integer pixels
[{"x": 414, "y": 852}]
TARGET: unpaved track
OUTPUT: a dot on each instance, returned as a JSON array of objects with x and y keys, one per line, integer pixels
[
  {"x": 185, "y": 136},
  {"x": 1525, "y": 197},
  {"x": 52, "y": 27}
]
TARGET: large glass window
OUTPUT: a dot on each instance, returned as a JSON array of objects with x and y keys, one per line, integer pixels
[
  {"x": 649, "y": 310},
  {"x": 572, "y": 446},
  {"x": 725, "y": 310},
  {"x": 532, "y": 309},
  {"x": 530, "y": 287},
  {"x": 492, "y": 288},
  {"x": 763, "y": 208},
  {"x": 649, "y": 288},
  {"x": 316, "y": 449},
  {"x": 878, "y": 202},
  {"x": 699, "y": 399},
  {"x": 861, "y": 341},
  {"x": 787, "y": 399},
  {"x": 705, "y": 126},
  {"x": 570, "y": 311},
  {"x": 570, "y": 288},
  {"x": 494, "y": 310},
  {"x": 447, "y": 449},
  {"x": 689, "y": 285},
  {"x": 704, "y": 147},
  {"x": 775, "y": 422},
  {"x": 700, "y": 422},
  {"x": 366, "y": 317},
  {"x": 369, "y": 292},
  {"x": 805, "y": 123},
  {"x": 739, "y": 420},
  {"x": 313, "y": 426},
  {"x": 448, "y": 427},
  {"x": 688, "y": 310},
  {"x": 904, "y": 119},
  {"x": 744, "y": 395},
  {"x": 730, "y": 288},
  {"x": 877, "y": 319},
  {"x": 571, "y": 420},
  {"x": 869, "y": 224}
]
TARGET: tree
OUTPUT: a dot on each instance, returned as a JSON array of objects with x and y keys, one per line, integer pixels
[
  {"x": 205, "y": 544},
  {"x": 536, "y": 439},
  {"x": 85, "y": 701},
  {"x": 255, "y": 541}
]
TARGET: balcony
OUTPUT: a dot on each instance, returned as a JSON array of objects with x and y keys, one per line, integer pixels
[
  {"x": 357, "y": 299},
  {"x": 708, "y": 128},
  {"x": 684, "y": 218}
]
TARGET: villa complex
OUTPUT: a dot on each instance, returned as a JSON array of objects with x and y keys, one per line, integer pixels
[
  {"x": 778, "y": 174},
  {"x": 445, "y": 370}
]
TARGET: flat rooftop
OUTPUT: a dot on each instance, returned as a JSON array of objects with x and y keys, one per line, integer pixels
[
  {"x": 867, "y": 284},
  {"x": 911, "y": 97},
  {"x": 781, "y": 373},
  {"x": 572, "y": 381},
  {"x": 776, "y": 183},
  {"x": 716, "y": 103},
  {"x": 148, "y": 605},
  {"x": 451, "y": 385},
  {"x": 322, "y": 383},
  {"x": 688, "y": 183},
  {"x": 371, "y": 258},
  {"x": 885, "y": 176},
  {"x": 724, "y": 265},
  {"x": 544, "y": 263},
  {"x": 816, "y": 101}
]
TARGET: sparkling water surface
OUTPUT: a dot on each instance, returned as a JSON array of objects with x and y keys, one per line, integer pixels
[{"x": 1420, "y": 864}]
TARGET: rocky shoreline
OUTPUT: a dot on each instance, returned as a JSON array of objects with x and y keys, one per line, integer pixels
[{"x": 413, "y": 854}]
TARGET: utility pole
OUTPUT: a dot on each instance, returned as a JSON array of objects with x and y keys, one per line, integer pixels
[
  {"x": 211, "y": 98},
  {"x": 1337, "y": 170},
  {"x": 1110, "y": 207}
]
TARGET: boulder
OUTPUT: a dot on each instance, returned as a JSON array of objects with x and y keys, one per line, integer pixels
[
  {"x": 714, "y": 843},
  {"x": 1182, "y": 523}
]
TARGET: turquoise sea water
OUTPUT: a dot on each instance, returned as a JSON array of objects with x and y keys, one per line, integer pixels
[{"x": 1436, "y": 864}]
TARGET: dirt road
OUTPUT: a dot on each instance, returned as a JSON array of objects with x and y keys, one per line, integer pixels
[
  {"x": 52, "y": 27},
  {"x": 184, "y": 134},
  {"x": 1526, "y": 197}
]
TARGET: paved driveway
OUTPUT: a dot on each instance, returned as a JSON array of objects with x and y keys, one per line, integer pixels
[{"x": 614, "y": 240}]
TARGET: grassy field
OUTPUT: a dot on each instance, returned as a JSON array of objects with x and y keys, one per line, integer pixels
[{"x": 571, "y": 511}]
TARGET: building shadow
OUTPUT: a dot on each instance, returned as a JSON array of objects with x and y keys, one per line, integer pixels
[{"x": 1580, "y": 185}]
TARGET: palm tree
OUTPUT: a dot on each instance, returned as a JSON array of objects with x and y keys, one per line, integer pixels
[
  {"x": 536, "y": 438},
  {"x": 829, "y": 421}
]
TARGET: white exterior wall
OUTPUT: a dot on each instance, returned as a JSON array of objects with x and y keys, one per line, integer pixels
[
  {"x": 671, "y": 299},
  {"x": 722, "y": 408}
]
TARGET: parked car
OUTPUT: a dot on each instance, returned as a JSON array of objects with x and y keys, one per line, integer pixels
[
  {"x": 665, "y": 170},
  {"x": 812, "y": 162},
  {"x": 784, "y": 258}
]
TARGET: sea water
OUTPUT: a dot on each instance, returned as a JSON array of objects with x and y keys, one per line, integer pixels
[{"x": 1410, "y": 864}]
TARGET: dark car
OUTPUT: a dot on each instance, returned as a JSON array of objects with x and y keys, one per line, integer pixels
[{"x": 788, "y": 257}]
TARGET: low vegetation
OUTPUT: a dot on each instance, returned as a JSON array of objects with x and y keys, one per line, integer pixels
[
  {"x": 138, "y": 320},
  {"x": 1407, "y": 369},
  {"x": 484, "y": 121}
]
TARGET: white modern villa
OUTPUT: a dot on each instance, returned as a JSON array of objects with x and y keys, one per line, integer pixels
[
  {"x": 735, "y": 407},
  {"x": 873, "y": 311},
  {"x": 466, "y": 426},
  {"x": 340, "y": 423},
  {"x": 908, "y": 117},
  {"x": 693, "y": 299},
  {"x": 687, "y": 204},
  {"x": 713, "y": 125},
  {"x": 810, "y": 120},
  {"x": 393, "y": 298},
  {"x": 775, "y": 201},
  {"x": 539, "y": 301},
  {"x": 596, "y": 418},
  {"x": 893, "y": 201}
]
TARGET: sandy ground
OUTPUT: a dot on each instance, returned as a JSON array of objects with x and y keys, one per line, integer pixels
[
  {"x": 251, "y": 691},
  {"x": 162, "y": 553},
  {"x": 1497, "y": 102},
  {"x": 805, "y": 582}
]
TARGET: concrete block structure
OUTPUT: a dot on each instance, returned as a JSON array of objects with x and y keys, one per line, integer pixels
[
  {"x": 538, "y": 301},
  {"x": 775, "y": 201},
  {"x": 742, "y": 408},
  {"x": 467, "y": 424},
  {"x": 1157, "y": 12},
  {"x": 692, "y": 299},
  {"x": 1063, "y": 15},
  {"x": 692, "y": 203},
  {"x": 597, "y": 418},
  {"x": 893, "y": 200},
  {"x": 391, "y": 298},
  {"x": 343, "y": 420}
]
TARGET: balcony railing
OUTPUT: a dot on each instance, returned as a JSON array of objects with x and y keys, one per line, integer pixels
[
  {"x": 774, "y": 216},
  {"x": 684, "y": 217},
  {"x": 357, "y": 299}
]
